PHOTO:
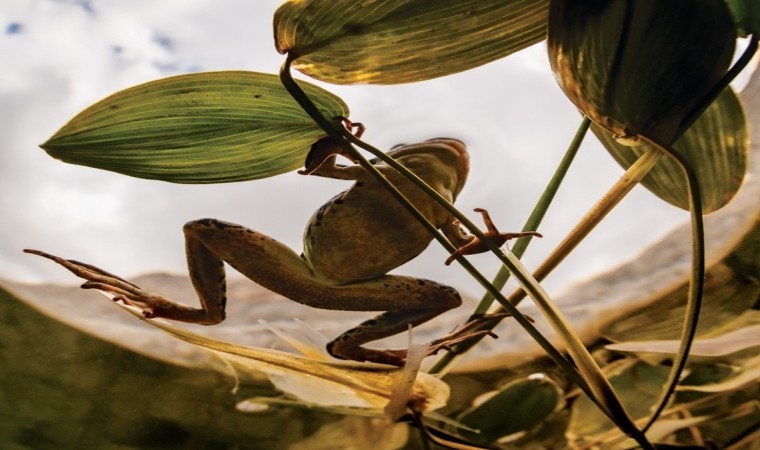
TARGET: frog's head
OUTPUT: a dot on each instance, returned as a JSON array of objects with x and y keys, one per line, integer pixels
[
  {"x": 442, "y": 162},
  {"x": 459, "y": 159}
]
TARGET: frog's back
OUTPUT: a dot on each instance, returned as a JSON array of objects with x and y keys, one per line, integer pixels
[{"x": 364, "y": 232}]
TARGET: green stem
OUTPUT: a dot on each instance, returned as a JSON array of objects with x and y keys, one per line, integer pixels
[
  {"x": 594, "y": 384},
  {"x": 535, "y": 218},
  {"x": 707, "y": 100},
  {"x": 696, "y": 284},
  {"x": 331, "y": 129},
  {"x": 635, "y": 173},
  {"x": 518, "y": 249},
  {"x": 592, "y": 381}
]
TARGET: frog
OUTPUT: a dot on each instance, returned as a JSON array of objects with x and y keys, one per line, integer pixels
[{"x": 350, "y": 244}]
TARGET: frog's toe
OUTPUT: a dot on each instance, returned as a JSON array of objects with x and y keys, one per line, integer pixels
[{"x": 449, "y": 342}]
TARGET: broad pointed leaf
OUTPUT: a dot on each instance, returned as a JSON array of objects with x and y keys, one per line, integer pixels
[
  {"x": 401, "y": 41},
  {"x": 320, "y": 383},
  {"x": 717, "y": 146},
  {"x": 640, "y": 67},
  {"x": 208, "y": 127},
  {"x": 746, "y": 14}
]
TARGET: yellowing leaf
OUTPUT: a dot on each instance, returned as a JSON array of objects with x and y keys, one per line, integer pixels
[
  {"x": 401, "y": 41},
  {"x": 210, "y": 127},
  {"x": 320, "y": 383},
  {"x": 640, "y": 67},
  {"x": 717, "y": 146}
]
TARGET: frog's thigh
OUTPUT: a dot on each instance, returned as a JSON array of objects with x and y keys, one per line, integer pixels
[
  {"x": 407, "y": 302},
  {"x": 276, "y": 267},
  {"x": 270, "y": 263},
  {"x": 396, "y": 293}
]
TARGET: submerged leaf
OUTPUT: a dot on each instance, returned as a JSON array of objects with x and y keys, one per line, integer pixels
[
  {"x": 210, "y": 127},
  {"x": 639, "y": 67},
  {"x": 742, "y": 340},
  {"x": 319, "y": 383},
  {"x": 518, "y": 406},
  {"x": 727, "y": 295},
  {"x": 389, "y": 42},
  {"x": 717, "y": 146},
  {"x": 748, "y": 374}
]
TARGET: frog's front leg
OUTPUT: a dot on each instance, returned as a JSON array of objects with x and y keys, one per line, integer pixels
[{"x": 475, "y": 245}]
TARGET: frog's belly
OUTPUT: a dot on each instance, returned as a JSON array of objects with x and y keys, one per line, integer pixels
[{"x": 343, "y": 251}]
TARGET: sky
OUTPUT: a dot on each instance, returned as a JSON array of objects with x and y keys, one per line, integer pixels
[{"x": 60, "y": 56}]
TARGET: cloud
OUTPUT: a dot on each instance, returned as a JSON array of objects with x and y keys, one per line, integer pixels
[{"x": 61, "y": 56}]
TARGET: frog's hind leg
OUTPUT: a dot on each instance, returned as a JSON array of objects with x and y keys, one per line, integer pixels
[
  {"x": 209, "y": 243},
  {"x": 406, "y": 301},
  {"x": 349, "y": 344}
]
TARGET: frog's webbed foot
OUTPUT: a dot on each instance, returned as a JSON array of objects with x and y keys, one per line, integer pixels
[
  {"x": 344, "y": 347},
  {"x": 492, "y": 233},
  {"x": 479, "y": 326},
  {"x": 151, "y": 305}
]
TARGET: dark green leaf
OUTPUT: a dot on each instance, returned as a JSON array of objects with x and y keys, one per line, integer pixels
[
  {"x": 208, "y": 127},
  {"x": 746, "y": 14},
  {"x": 717, "y": 146},
  {"x": 518, "y": 406},
  {"x": 640, "y": 67},
  {"x": 389, "y": 42}
]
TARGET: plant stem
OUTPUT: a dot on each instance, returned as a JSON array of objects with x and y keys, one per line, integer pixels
[
  {"x": 707, "y": 100},
  {"x": 590, "y": 380},
  {"x": 635, "y": 173},
  {"x": 334, "y": 132},
  {"x": 535, "y": 218},
  {"x": 531, "y": 224},
  {"x": 596, "y": 385},
  {"x": 696, "y": 284}
]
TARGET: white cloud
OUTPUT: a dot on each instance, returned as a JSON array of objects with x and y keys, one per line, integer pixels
[{"x": 66, "y": 55}]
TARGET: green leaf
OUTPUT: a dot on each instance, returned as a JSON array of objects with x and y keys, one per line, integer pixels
[
  {"x": 727, "y": 295},
  {"x": 402, "y": 41},
  {"x": 746, "y": 14},
  {"x": 210, "y": 127},
  {"x": 748, "y": 375},
  {"x": 518, "y": 406},
  {"x": 640, "y": 67},
  {"x": 717, "y": 146}
]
